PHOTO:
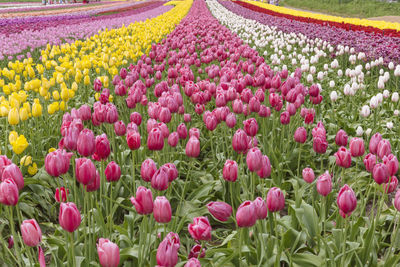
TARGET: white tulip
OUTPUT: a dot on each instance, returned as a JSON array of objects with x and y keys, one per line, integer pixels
[
  {"x": 368, "y": 131},
  {"x": 389, "y": 125},
  {"x": 386, "y": 93},
  {"x": 373, "y": 103},
  {"x": 395, "y": 97},
  {"x": 332, "y": 84},
  {"x": 359, "y": 131},
  {"x": 334, "y": 96},
  {"x": 396, "y": 112}
]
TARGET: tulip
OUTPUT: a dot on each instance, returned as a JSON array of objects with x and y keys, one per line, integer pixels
[
  {"x": 230, "y": 170},
  {"x": 112, "y": 172},
  {"x": 195, "y": 251},
  {"x": 308, "y": 175},
  {"x": 182, "y": 131},
  {"x": 246, "y": 215},
  {"x": 396, "y": 201},
  {"x": 143, "y": 201},
  {"x": 108, "y": 253},
  {"x": 148, "y": 169},
  {"x": 285, "y": 118},
  {"x": 31, "y": 233},
  {"x": 86, "y": 143},
  {"x": 167, "y": 252},
  {"x": 162, "y": 210},
  {"x": 187, "y": 117},
  {"x": 275, "y": 199},
  {"x": 250, "y": 126},
  {"x": 391, "y": 185},
  {"x": 230, "y": 120},
  {"x": 194, "y": 132},
  {"x": 265, "y": 170},
  {"x": 341, "y": 138},
  {"x": 13, "y": 172},
  {"x": 200, "y": 229},
  {"x": 120, "y": 128},
  {"x": 380, "y": 173},
  {"x": 384, "y": 148},
  {"x": 220, "y": 210},
  {"x": 94, "y": 185},
  {"x": 193, "y": 147},
  {"x": 300, "y": 135},
  {"x": 159, "y": 181},
  {"x": 9, "y": 193},
  {"x": 346, "y": 201},
  {"x": 391, "y": 163},
  {"x": 155, "y": 139},
  {"x": 320, "y": 145},
  {"x": 171, "y": 170},
  {"x": 136, "y": 118},
  {"x": 10, "y": 242},
  {"x": 369, "y": 162},
  {"x": 61, "y": 191},
  {"x": 69, "y": 217},
  {"x": 254, "y": 159},
  {"x": 133, "y": 140},
  {"x": 239, "y": 141},
  {"x": 102, "y": 146},
  {"x": 324, "y": 184},
  {"x": 193, "y": 262},
  {"x": 357, "y": 147},
  {"x": 71, "y": 137},
  {"x": 13, "y": 116},
  {"x": 261, "y": 208},
  {"x": 57, "y": 162},
  {"x": 85, "y": 171},
  {"x": 343, "y": 157},
  {"x": 173, "y": 139},
  {"x": 373, "y": 143}
]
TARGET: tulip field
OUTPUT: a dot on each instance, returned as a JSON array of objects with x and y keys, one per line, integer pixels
[{"x": 197, "y": 133}]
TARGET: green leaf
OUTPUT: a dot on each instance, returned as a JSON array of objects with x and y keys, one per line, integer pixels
[{"x": 306, "y": 259}]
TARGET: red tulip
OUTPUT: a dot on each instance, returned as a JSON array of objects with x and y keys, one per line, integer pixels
[
  {"x": 31, "y": 233},
  {"x": 108, "y": 253},
  {"x": 246, "y": 215},
  {"x": 69, "y": 217},
  {"x": 155, "y": 139},
  {"x": 373, "y": 143},
  {"x": 346, "y": 201},
  {"x": 265, "y": 170},
  {"x": 254, "y": 159},
  {"x": 200, "y": 229},
  {"x": 300, "y": 135},
  {"x": 324, "y": 184},
  {"x": 148, "y": 169},
  {"x": 220, "y": 210},
  {"x": 112, "y": 172},
  {"x": 343, "y": 157},
  {"x": 167, "y": 252},
  {"x": 193, "y": 147},
  {"x": 63, "y": 192},
  {"x": 9, "y": 193},
  {"x": 85, "y": 171},
  {"x": 380, "y": 173},
  {"x": 341, "y": 138},
  {"x": 13, "y": 172},
  {"x": 143, "y": 201},
  {"x": 133, "y": 140},
  {"x": 57, "y": 162},
  {"x": 369, "y": 162},
  {"x": 162, "y": 210},
  {"x": 308, "y": 175},
  {"x": 102, "y": 145}
]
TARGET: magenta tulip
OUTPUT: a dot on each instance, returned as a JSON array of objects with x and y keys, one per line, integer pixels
[
  {"x": 155, "y": 140},
  {"x": 102, "y": 145},
  {"x": 373, "y": 143},
  {"x": 195, "y": 251},
  {"x": 182, "y": 131},
  {"x": 193, "y": 147},
  {"x": 9, "y": 193},
  {"x": 343, "y": 157},
  {"x": 324, "y": 184},
  {"x": 341, "y": 138},
  {"x": 148, "y": 169},
  {"x": 300, "y": 135},
  {"x": 391, "y": 185},
  {"x": 162, "y": 210},
  {"x": 275, "y": 199},
  {"x": 220, "y": 210},
  {"x": 369, "y": 162},
  {"x": 396, "y": 201},
  {"x": 167, "y": 252},
  {"x": 391, "y": 163},
  {"x": 171, "y": 170},
  {"x": 265, "y": 170},
  {"x": 357, "y": 147},
  {"x": 31, "y": 233},
  {"x": 143, "y": 201},
  {"x": 308, "y": 175},
  {"x": 384, "y": 148},
  {"x": 173, "y": 139},
  {"x": 85, "y": 171},
  {"x": 86, "y": 143},
  {"x": 380, "y": 173},
  {"x": 61, "y": 191},
  {"x": 254, "y": 159},
  {"x": 346, "y": 201},
  {"x": 69, "y": 217},
  {"x": 112, "y": 172},
  {"x": 239, "y": 141},
  {"x": 159, "y": 181},
  {"x": 261, "y": 208},
  {"x": 57, "y": 162},
  {"x": 108, "y": 253},
  {"x": 13, "y": 172},
  {"x": 250, "y": 126},
  {"x": 133, "y": 140},
  {"x": 120, "y": 128},
  {"x": 246, "y": 215},
  {"x": 200, "y": 229}
]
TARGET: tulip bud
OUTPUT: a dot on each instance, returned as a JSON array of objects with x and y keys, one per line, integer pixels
[
  {"x": 275, "y": 199},
  {"x": 261, "y": 208},
  {"x": 230, "y": 170},
  {"x": 143, "y": 201},
  {"x": 250, "y": 126},
  {"x": 346, "y": 201},
  {"x": 108, "y": 253},
  {"x": 9, "y": 193},
  {"x": 182, "y": 131},
  {"x": 162, "y": 210},
  {"x": 200, "y": 229},
  {"x": 300, "y": 135},
  {"x": 285, "y": 118},
  {"x": 239, "y": 141},
  {"x": 13, "y": 116},
  {"x": 61, "y": 193},
  {"x": 112, "y": 172},
  {"x": 220, "y": 210},
  {"x": 13, "y": 172},
  {"x": 10, "y": 242},
  {"x": 69, "y": 217},
  {"x": 57, "y": 162},
  {"x": 31, "y": 233},
  {"x": 308, "y": 175},
  {"x": 324, "y": 184},
  {"x": 173, "y": 139},
  {"x": 148, "y": 169},
  {"x": 159, "y": 181},
  {"x": 171, "y": 170},
  {"x": 380, "y": 173},
  {"x": 102, "y": 146},
  {"x": 246, "y": 215},
  {"x": 373, "y": 143}
]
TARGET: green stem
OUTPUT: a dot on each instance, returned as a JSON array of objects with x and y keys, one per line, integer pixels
[
  {"x": 278, "y": 252},
  {"x": 344, "y": 243},
  {"x": 15, "y": 236},
  {"x": 72, "y": 248},
  {"x": 133, "y": 171}
]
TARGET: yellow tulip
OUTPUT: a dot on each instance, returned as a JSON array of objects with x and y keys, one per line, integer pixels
[
  {"x": 23, "y": 114},
  {"x": 74, "y": 86},
  {"x": 36, "y": 109},
  {"x": 20, "y": 145},
  {"x": 52, "y": 149},
  {"x": 56, "y": 95},
  {"x": 32, "y": 170},
  {"x": 86, "y": 80},
  {"x": 13, "y": 116},
  {"x": 63, "y": 106},
  {"x": 12, "y": 137},
  {"x": 25, "y": 161}
]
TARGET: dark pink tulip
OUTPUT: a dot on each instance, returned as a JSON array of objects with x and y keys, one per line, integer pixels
[
  {"x": 346, "y": 201},
  {"x": 9, "y": 193},
  {"x": 165, "y": 115},
  {"x": 261, "y": 208},
  {"x": 264, "y": 111},
  {"x": 195, "y": 251},
  {"x": 308, "y": 175},
  {"x": 61, "y": 191},
  {"x": 275, "y": 199},
  {"x": 254, "y": 104},
  {"x": 391, "y": 185},
  {"x": 384, "y": 148},
  {"x": 309, "y": 118},
  {"x": 151, "y": 123},
  {"x": 265, "y": 170},
  {"x": 182, "y": 131},
  {"x": 324, "y": 184},
  {"x": 94, "y": 185},
  {"x": 343, "y": 157},
  {"x": 143, "y": 201},
  {"x": 373, "y": 143},
  {"x": 246, "y": 215},
  {"x": 57, "y": 162},
  {"x": 357, "y": 147},
  {"x": 391, "y": 163},
  {"x": 4, "y": 161},
  {"x": 102, "y": 145},
  {"x": 167, "y": 252},
  {"x": 171, "y": 170},
  {"x": 10, "y": 242},
  {"x": 320, "y": 145},
  {"x": 254, "y": 159},
  {"x": 136, "y": 118},
  {"x": 69, "y": 217},
  {"x": 239, "y": 141},
  {"x": 173, "y": 139},
  {"x": 71, "y": 138},
  {"x": 148, "y": 169},
  {"x": 396, "y": 201},
  {"x": 341, "y": 138},
  {"x": 369, "y": 162},
  {"x": 132, "y": 127},
  {"x": 230, "y": 120},
  {"x": 155, "y": 140},
  {"x": 200, "y": 229},
  {"x": 211, "y": 122},
  {"x": 250, "y": 126},
  {"x": 314, "y": 90},
  {"x": 194, "y": 132},
  {"x": 193, "y": 147},
  {"x": 285, "y": 118},
  {"x": 108, "y": 253},
  {"x": 187, "y": 117},
  {"x": 112, "y": 172},
  {"x": 300, "y": 135},
  {"x": 111, "y": 113},
  {"x": 220, "y": 210},
  {"x": 120, "y": 128},
  {"x": 85, "y": 171},
  {"x": 97, "y": 85},
  {"x": 159, "y": 181},
  {"x": 162, "y": 210},
  {"x": 31, "y": 233},
  {"x": 85, "y": 112},
  {"x": 230, "y": 170},
  {"x": 86, "y": 143},
  {"x": 13, "y": 172},
  {"x": 380, "y": 173},
  {"x": 133, "y": 140}
]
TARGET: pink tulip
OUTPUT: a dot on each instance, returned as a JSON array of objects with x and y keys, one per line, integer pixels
[
  {"x": 136, "y": 118},
  {"x": 195, "y": 251},
  {"x": 86, "y": 143},
  {"x": 167, "y": 252},
  {"x": 250, "y": 126},
  {"x": 102, "y": 145},
  {"x": 182, "y": 131},
  {"x": 143, "y": 201},
  {"x": 133, "y": 140},
  {"x": 159, "y": 181},
  {"x": 346, "y": 201},
  {"x": 10, "y": 242},
  {"x": 13, "y": 172},
  {"x": 94, "y": 185},
  {"x": 9, "y": 193},
  {"x": 373, "y": 143},
  {"x": 324, "y": 184},
  {"x": 357, "y": 147},
  {"x": 155, "y": 139},
  {"x": 369, "y": 162},
  {"x": 320, "y": 145},
  {"x": 112, "y": 172},
  {"x": 220, "y": 210},
  {"x": 171, "y": 170},
  {"x": 300, "y": 135},
  {"x": 120, "y": 128},
  {"x": 308, "y": 175},
  {"x": 275, "y": 199},
  {"x": 187, "y": 117},
  {"x": 162, "y": 210},
  {"x": 391, "y": 163},
  {"x": 148, "y": 169},
  {"x": 341, "y": 138},
  {"x": 391, "y": 185},
  {"x": 254, "y": 159},
  {"x": 200, "y": 229},
  {"x": 396, "y": 201},
  {"x": 343, "y": 157},
  {"x": 193, "y": 147},
  {"x": 285, "y": 118},
  {"x": 108, "y": 253},
  {"x": 261, "y": 208},
  {"x": 63, "y": 192},
  {"x": 380, "y": 173},
  {"x": 384, "y": 148},
  {"x": 57, "y": 162},
  {"x": 265, "y": 170},
  {"x": 69, "y": 217},
  {"x": 31, "y": 233},
  {"x": 173, "y": 139},
  {"x": 230, "y": 170},
  {"x": 85, "y": 171},
  {"x": 246, "y": 215},
  {"x": 239, "y": 141}
]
